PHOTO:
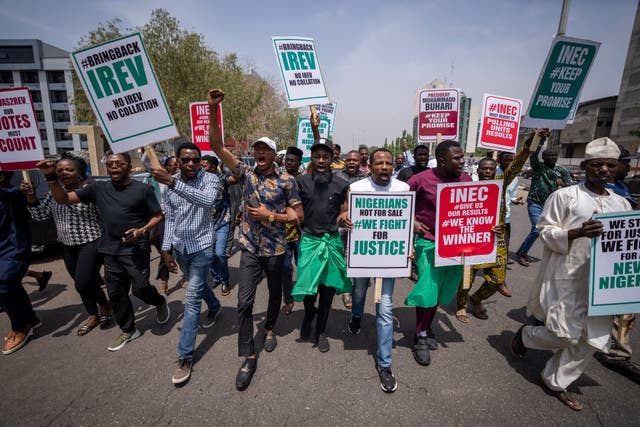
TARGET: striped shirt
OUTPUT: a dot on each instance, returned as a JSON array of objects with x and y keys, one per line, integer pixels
[{"x": 188, "y": 208}]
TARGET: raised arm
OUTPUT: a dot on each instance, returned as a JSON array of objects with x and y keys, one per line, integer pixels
[
  {"x": 315, "y": 123},
  {"x": 518, "y": 162},
  {"x": 214, "y": 98},
  {"x": 60, "y": 195}
]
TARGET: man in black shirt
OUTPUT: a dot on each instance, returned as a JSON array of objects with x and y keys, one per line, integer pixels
[
  {"x": 321, "y": 266},
  {"x": 421, "y": 156},
  {"x": 129, "y": 209}
]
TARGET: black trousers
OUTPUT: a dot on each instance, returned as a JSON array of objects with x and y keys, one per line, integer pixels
[
  {"x": 125, "y": 272},
  {"x": 155, "y": 238},
  {"x": 83, "y": 264},
  {"x": 251, "y": 269},
  {"x": 15, "y": 301},
  {"x": 325, "y": 299}
]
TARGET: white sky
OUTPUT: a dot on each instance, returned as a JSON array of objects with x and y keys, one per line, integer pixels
[{"x": 374, "y": 54}]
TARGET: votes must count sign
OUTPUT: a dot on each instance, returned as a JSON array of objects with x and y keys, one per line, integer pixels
[{"x": 20, "y": 144}]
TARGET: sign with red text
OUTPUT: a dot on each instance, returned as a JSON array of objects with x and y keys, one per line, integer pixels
[
  {"x": 438, "y": 114},
  {"x": 300, "y": 71},
  {"x": 466, "y": 212},
  {"x": 500, "y": 123},
  {"x": 20, "y": 144},
  {"x": 199, "y": 114},
  {"x": 124, "y": 93}
]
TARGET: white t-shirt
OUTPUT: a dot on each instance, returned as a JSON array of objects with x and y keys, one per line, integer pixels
[{"x": 368, "y": 185}]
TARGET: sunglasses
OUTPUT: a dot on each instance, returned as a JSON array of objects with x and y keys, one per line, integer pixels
[
  {"x": 186, "y": 160},
  {"x": 116, "y": 164}
]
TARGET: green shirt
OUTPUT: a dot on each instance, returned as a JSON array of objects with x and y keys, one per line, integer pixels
[{"x": 543, "y": 181}]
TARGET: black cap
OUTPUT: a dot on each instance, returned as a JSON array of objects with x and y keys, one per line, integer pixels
[
  {"x": 626, "y": 155},
  {"x": 294, "y": 151},
  {"x": 322, "y": 142}
]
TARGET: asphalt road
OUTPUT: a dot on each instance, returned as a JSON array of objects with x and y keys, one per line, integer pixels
[{"x": 62, "y": 379}]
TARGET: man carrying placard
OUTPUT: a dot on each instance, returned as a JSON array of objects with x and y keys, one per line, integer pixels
[
  {"x": 435, "y": 285},
  {"x": 561, "y": 302}
]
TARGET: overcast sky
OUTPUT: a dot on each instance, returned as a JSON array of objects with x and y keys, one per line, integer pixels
[{"x": 374, "y": 54}]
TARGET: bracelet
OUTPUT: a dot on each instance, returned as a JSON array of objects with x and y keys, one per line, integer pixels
[{"x": 172, "y": 184}]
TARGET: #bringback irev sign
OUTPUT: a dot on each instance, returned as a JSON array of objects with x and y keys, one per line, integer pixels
[
  {"x": 304, "y": 138},
  {"x": 199, "y": 115},
  {"x": 614, "y": 285},
  {"x": 300, "y": 70},
  {"x": 124, "y": 93},
  {"x": 560, "y": 82},
  {"x": 438, "y": 114},
  {"x": 380, "y": 241},
  {"x": 466, "y": 213},
  {"x": 20, "y": 144},
  {"x": 500, "y": 123}
]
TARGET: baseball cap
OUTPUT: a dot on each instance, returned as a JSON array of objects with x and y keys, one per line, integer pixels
[
  {"x": 322, "y": 142},
  {"x": 267, "y": 141}
]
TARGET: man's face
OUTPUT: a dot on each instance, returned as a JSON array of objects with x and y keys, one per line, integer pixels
[
  {"x": 624, "y": 166},
  {"x": 453, "y": 162},
  {"x": 264, "y": 156},
  {"x": 422, "y": 157},
  {"x": 399, "y": 161},
  {"x": 486, "y": 170},
  {"x": 351, "y": 163},
  {"x": 118, "y": 168},
  {"x": 189, "y": 161},
  {"x": 550, "y": 158},
  {"x": 208, "y": 166},
  {"x": 382, "y": 168},
  {"x": 599, "y": 172},
  {"x": 505, "y": 160},
  {"x": 292, "y": 164},
  {"x": 364, "y": 156},
  {"x": 336, "y": 152},
  {"x": 321, "y": 159}
]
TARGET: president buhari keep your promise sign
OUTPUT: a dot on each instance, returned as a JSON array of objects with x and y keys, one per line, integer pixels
[{"x": 124, "y": 93}]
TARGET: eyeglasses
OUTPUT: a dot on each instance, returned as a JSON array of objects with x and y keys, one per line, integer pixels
[
  {"x": 186, "y": 160},
  {"x": 116, "y": 164}
]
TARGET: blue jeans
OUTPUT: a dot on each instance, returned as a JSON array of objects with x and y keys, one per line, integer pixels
[
  {"x": 196, "y": 267},
  {"x": 534, "y": 210},
  {"x": 384, "y": 315},
  {"x": 220, "y": 261},
  {"x": 287, "y": 270}
]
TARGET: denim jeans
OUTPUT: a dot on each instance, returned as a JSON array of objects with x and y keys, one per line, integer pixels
[
  {"x": 384, "y": 315},
  {"x": 196, "y": 267},
  {"x": 534, "y": 211},
  {"x": 287, "y": 270},
  {"x": 220, "y": 261}
]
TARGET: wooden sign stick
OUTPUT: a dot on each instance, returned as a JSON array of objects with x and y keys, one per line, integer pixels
[
  {"x": 535, "y": 142},
  {"x": 26, "y": 177},
  {"x": 153, "y": 157},
  {"x": 377, "y": 290},
  {"x": 466, "y": 275}
]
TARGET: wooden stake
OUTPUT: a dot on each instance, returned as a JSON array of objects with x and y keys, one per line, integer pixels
[
  {"x": 313, "y": 109},
  {"x": 153, "y": 157},
  {"x": 438, "y": 138},
  {"x": 466, "y": 275},
  {"x": 624, "y": 321},
  {"x": 535, "y": 142},
  {"x": 377, "y": 290},
  {"x": 26, "y": 177}
]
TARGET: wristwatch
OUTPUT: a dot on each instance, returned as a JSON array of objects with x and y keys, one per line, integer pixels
[{"x": 272, "y": 217}]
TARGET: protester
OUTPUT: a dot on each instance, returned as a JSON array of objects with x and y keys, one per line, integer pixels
[
  {"x": 435, "y": 285},
  {"x": 364, "y": 159},
  {"x": 398, "y": 164},
  {"x": 271, "y": 200},
  {"x": 129, "y": 209},
  {"x": 292, "y": 160},
  {"x": 409, "y": 160},
  {"x": 421, "y": 156},
  {"x": 15, "y": 253},
  {"x": 511, "y": 197},
  {"x": 337, "y": 163},
  {"x": 547, "y": 178},
  {"x": 79, "y": 229},
  {"x": 381, "y": 179},
  {"x": 561, "y": 301}
]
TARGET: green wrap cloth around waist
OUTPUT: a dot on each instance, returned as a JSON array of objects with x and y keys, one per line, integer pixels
[
  {"x": 320, "y": 261},
  {"x": 435, "y": 285}
]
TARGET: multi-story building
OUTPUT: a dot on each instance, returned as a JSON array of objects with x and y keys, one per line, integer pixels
[
  {"x": 593, "y": 120},
  {"x": 46, "y": 71}
]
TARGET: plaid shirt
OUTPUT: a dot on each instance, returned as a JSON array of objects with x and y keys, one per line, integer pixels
[
  {"x": 276, "y": 191},
  {"x": 188, "y": 208}
]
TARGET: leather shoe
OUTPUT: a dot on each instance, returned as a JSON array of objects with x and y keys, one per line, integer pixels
[
  {"x": 225, "y": 291},
  {"x": 270, "y": 341},
  {"x": 504, "y": 291},
  {"x": 245, "y": 374},
  {"x": 621, "y": 366},
  {"x": 517, "y": 346}
]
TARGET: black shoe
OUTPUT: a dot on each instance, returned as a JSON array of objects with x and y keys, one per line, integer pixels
[
  {"x": 270, "y": 341},
  {"x": 517, "y": 346},
  {"x": 215, "y": 284},
  {"x": 245, "y": 374},
  {"x": 44, "y": 280},
  {"x": 432, "y": 343},
  {"x": 354, "y": 325},
  {"x": 305, "y": 328},
  {"x": 388, "y": 382},
  {"x": 623, "y": 367},
  {"x": 323, "y": 343},
  {"x": 421, "y": 351},
  {"x": 225, "y": 291}
]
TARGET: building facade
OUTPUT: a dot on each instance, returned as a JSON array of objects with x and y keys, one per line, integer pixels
[{"x": 594, "y": 119}]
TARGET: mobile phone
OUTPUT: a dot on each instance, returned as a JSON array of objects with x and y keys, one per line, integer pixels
[
  {"x": 253, "y": 201},
  {"x": 128, "y": 237}
]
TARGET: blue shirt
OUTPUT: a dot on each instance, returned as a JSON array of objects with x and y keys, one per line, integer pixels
[
  {"x": 15, "y": 237},
  {"x": 621, "y": 189}
]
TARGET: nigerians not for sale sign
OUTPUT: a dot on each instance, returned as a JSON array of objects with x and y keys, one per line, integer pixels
[{"x": 124, "y": 93}]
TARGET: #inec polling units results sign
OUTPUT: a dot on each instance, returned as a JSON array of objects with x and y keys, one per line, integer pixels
[
  {"x": 380, "y": 241},
  {"x": 560, "y": 82},
  {"x": 438, "y": 114},
  {"x": 20, "y": 144},
  {"x": 615, "y": 265},
  {"x": 500, "y": 123},
  {"x": 124, "y": 93},
  {"x": 300, "y": 70},
  {"x": 466, "y": 213}
]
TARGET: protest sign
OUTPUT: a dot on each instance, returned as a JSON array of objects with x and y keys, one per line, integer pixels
[
  {"x": 124, "y": 93},
  {"x": 466, "y": 213},
  {"x": 438, "y": 114},
  {"x": 20, "y": 144},
  {"x": 560, "y": 82},
  {"x": 300, "y": 70},
  {"x": 614, "y": 285},
  {"x": 500, "y": 123},
  {"x": 304, "y": 137},
  {"x": 380, "y": 241},
  {"x": 199, "y": 115},
  {"x": 328, "y": 112}
]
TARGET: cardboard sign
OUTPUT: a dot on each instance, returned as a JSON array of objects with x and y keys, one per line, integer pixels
[
  {"x": 300, "y": 70},
  {"x": 199, "y": 115},
  {"x": 304, "y": 137},
  {"x": 380, "y": 241},
  {"x": 466, "y": 213},
  {"x": 20, "y": 144},
  {"x": 124, "y": 93},
  {"x": 438, "y": 114},
  {"x": 500, "y": 123},
  {"x": 614, "y": 285},
  {"x": 328, "y": 112},
  {"x": 560, "y": 82}
]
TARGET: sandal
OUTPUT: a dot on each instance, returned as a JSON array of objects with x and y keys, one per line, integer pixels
[
  {"x": 522, "y": 260},
  {"x": 346, "y": 300},
  {"x": 479, "y": 311},
  {"x": 462, "y": 316},
  {"x": 85, "y": 329},
  {"x": 105, "y": 321},
  {"x": 287, "y": 308},
  {"x": 565, "y": 397}
]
